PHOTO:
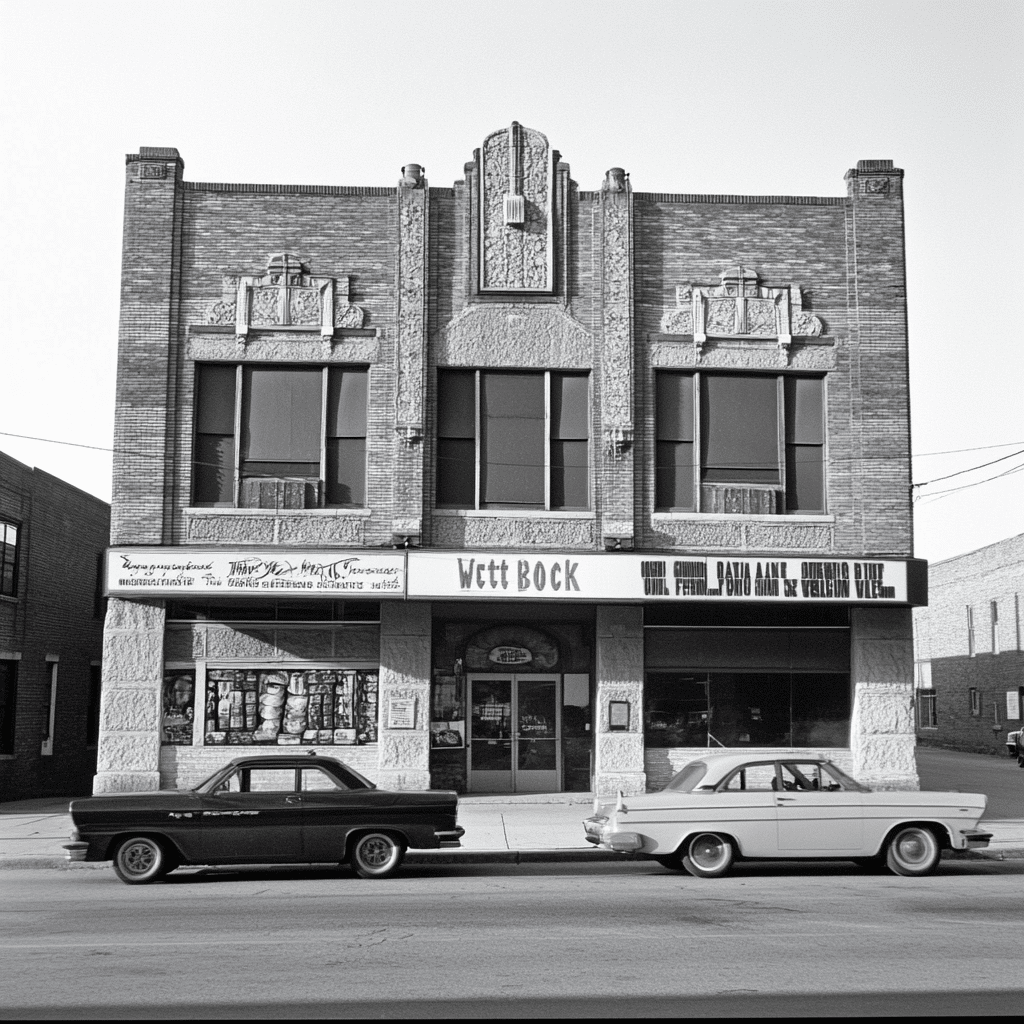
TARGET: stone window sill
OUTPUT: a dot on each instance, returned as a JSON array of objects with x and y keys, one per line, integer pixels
[
  {"x": 7, "y": 599},
  {"x": 223, "y": 510},
  {"x": 705, "y": 517},
  {"x": 511, "y": 513}
]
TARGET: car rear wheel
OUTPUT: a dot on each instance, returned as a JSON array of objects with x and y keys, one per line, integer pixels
[
  {"x": 708, "y": 855},
  {"x": 376, "y": 855},
  {"x": 913, "y": 851},
  {"x": 141, "y": 859}
]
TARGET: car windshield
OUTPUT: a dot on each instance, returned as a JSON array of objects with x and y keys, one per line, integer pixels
[{"x": 686, "y": 780}]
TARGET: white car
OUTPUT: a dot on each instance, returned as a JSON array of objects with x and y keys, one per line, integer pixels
[{"x": 728, "y": 806}]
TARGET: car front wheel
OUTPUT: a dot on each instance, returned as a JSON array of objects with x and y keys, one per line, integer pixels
[
  {"x": 376, "y": 855},
  {"x": 708, "y": 855},
  {"x": 913, "y": 851},
  {"x": 141, "y": 859}
]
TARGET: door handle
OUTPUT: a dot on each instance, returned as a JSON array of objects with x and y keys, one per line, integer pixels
[
  {"x": 785, "y": 799},
  {"x": 293, "y": 799}
]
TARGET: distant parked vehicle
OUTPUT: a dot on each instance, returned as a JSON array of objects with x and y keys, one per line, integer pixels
[
  {"x": 1013, "y": 744},
  {"x": 729, "y": 806},
  {"x": 264, "y": 810}
]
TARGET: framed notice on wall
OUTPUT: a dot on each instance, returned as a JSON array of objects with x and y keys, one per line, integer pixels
[
  {"x": 402, "y": 713},
  {"x": 618, "y": 716}
]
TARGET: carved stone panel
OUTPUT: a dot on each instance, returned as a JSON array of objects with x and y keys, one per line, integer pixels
[
  {"x": 516, "y": 212},
  {"x": 412, "y": 219}
]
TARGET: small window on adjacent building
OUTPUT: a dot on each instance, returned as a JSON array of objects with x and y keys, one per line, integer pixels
[
  {"x": 8, "y": 704},
  {"x": 50, "y": 706},
  {"x": 970, "y": 632},
  {"x": 975, "y": 701},
  {"x": 513, "y": 440},
  {"x": 927, "y": 713},
  {"x": 305, "y": 425},
  {"x": 994, "y": 607},
  {"x": 8, "y": 558}
]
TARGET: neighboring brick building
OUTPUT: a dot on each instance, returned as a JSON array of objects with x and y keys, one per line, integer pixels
[
  {"x": 509, "y": 485},
  {"x": 52, "y": 540},
  {"x": 969, "y": 652}
]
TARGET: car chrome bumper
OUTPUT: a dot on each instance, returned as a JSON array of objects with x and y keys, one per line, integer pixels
[
  {"x": 975, "y": 839},
  {"x": 451, "y": 839},
  {"x": 76, "y": 851}
]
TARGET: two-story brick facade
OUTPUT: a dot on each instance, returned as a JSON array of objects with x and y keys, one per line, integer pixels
[
  {"x": 509, "y": 486},
  {"x": 52, "y": 540}
]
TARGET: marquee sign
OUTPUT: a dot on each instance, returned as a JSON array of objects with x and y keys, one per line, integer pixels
[
  {"x": 629, "y": 577},
  {"x": 254, "y": 572}
]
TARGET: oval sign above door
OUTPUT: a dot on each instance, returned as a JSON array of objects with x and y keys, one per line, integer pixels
[{"x": 510, "y": 656}]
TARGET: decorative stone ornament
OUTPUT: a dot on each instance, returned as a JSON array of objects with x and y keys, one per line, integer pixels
[
  {"x": 286, "y": 296},
  {"x": 412, "y": 176},
  {"x": 517, "y": 189},
  {"x": 740, "y": 308}
]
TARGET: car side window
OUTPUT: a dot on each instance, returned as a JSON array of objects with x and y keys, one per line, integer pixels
[
  {"x": 757, "y": 778},
  {"x": 316, "y": 780},
  {"x": 269, "y": 780},
  {"x": 808, "y": 777}
]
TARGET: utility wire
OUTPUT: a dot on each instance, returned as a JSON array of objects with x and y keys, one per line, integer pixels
[{"x": 960, "y": 472}]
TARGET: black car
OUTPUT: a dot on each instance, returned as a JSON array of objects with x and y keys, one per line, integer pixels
[{"x": 264, "y": 810}]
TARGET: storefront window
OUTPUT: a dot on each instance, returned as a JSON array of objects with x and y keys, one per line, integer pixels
[
  {"x": 315, "y": 706},
  {"x": 738, "y": 709}
]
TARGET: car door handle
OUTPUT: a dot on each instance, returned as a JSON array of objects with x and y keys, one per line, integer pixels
[
  {"x": 293, "y": 799},
  {"x": 785, "y": 799}
]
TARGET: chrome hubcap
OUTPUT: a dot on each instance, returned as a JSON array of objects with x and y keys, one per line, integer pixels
[
  {"x": 707, "y": 852},
  {"x": 138, "y": 858},
  {"x": 375, "y": 853}
]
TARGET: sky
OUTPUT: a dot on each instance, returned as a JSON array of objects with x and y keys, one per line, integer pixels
[{"x": 757, "y": 98}]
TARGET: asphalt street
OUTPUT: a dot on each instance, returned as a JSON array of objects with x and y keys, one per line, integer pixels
[{"x": 603, "y": 940}]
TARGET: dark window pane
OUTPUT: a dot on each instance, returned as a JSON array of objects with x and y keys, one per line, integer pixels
[
  {"x": 804, "y": 421},
  {"x": 805, "y": 478},
  {"x": 214, "y": 462},
  {"x": 456, "y": 472},
  {"x": 674, "y": 475},
  {"x": 456, "y": 403},
  {"x": 346, "y": 403},
  {"x": 675, "y": 710},
  {"x": 512, "y": 441},
  {"x": 346, "y": 471},
  {"x": 740, "y": 434},
  {"x": 750, "y": 708},
  {"x": 674, "y": 406},
  {"x": 569, "y": 475},
  {"x": 215, "y": 399},
  {"x": 281, "y": 418},
  {"x": 8, "y": 703},
  {"x": 821, "y": 710},
  {"x": 569, "y": 407}
]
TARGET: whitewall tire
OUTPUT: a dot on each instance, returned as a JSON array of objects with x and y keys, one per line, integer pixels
[
  {"x": 141, "y": 859},
  {"x": 708, "y": 855},
  {"x": 376, "y": 855},
  {"x": 913, "y": 850}
]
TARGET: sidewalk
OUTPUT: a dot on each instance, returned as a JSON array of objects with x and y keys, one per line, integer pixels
[{"x": 499, "y": 829}]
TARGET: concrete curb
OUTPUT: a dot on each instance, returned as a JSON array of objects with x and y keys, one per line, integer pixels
[{"x": 449, "y": 858}]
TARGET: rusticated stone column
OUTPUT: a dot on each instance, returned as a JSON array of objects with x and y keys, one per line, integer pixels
[
  {"x": 411, "y": 348},
  {"x": 620, "y": 677},
  {"x": 404, "y": 675},
  {"x": 882, "y": 729},
  {"x": 128, "y": 758}
]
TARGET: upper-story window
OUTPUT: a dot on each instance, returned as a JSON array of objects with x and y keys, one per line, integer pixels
[
  {"x": 739, "y": 443},
  {"x": 8, "y": 558},
  {"x": 279, "y": 437},
  {"x": 513, "y": 440}
]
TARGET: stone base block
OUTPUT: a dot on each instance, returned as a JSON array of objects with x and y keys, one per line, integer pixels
[
  {"x": 630, "y": 783},
  {"x": 397, "y": 778},
  {"x": 125, "y": 782}
]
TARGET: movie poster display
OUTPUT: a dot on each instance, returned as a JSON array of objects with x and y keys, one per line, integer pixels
[
  {"x": 448, "y": 713},
  {"x": 179, "y": 700},
  {"x": 326, "y": 707}
]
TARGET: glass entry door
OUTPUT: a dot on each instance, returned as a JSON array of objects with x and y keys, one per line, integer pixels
[{"x": 514, "y": 733}]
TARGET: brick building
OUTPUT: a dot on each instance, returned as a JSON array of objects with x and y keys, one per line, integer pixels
[
  {"x": 52, "y": 540},
  {"x": 969, "y": 652},
  {"x": 511, "y": 485}
]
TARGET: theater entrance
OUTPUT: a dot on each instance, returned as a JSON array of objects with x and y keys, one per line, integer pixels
[{"x": 515, "y": 733}]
